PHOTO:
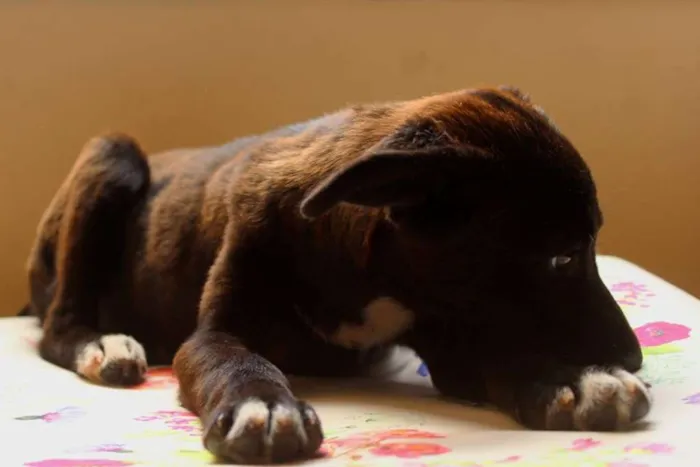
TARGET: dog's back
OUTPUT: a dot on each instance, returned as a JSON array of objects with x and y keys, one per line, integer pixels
[{"x": 172, "y": 235}]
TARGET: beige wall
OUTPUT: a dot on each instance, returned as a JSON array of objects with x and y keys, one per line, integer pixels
[{"x": 622, "y": 80}]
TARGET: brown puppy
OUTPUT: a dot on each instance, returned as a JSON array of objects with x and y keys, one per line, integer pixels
[{"x": 462, "y": 225}]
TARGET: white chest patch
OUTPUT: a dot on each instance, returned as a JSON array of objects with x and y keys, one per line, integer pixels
[{"x": 385, "y": 319}]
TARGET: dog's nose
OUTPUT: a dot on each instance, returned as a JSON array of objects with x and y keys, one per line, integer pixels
[{"x": 632, "y": 362}]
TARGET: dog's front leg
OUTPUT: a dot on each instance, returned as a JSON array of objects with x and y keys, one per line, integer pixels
[
  {"x": 537, "y": 391},
  {"x": 244, "y": 402},
  {"x": 545, "y": 394}
]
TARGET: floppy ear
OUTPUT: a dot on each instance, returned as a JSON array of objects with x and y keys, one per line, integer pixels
[{"x": 391, "y": 178}]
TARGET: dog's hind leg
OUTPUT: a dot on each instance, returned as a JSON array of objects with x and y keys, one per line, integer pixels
[{"x": 109, "y": 179}]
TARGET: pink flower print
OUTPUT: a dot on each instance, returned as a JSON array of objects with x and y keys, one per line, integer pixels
[
  {"x": 409, "y": 450},
  {"x": 660, "y": 333},
  {"x": 188, "y": 425},
  {"x": 370, "y": 438},
  {"x": 146, "y": 418},
  {"x": 63, "y": 414},
  {"x": 650, "y": 448},
  {"x": 327, "y": 450},
  {"x": 405, "y": 434},
  {"x": 78, "y": 463},
  {"x": 176, "y": 420},
  {"x": 509, "y": 459},
  {"x": 165, "y": 415},
  {"x": 414, "y": 464},
  {"x": 373, "y": 439},
  {"x": 631, "y": 294},
  {"x": 334, "y": 445},
  {"x": 626, "y": 464},
  {"x": 119, "y": 448},
  {"x": 31, "y": 341},
  {"x": 158, "y": 378},
  {"x": 693, "y": 399},
  {"x": 583, "y": 444}
]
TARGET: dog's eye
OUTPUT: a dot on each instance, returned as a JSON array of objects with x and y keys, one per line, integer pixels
[{"x": 559, "y": 261}]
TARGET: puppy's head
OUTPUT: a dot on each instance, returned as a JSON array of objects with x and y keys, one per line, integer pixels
[{"x": 491, "y": 218}]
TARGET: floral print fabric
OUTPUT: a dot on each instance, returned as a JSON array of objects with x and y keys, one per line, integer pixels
[{"x": 51, "y": 418}]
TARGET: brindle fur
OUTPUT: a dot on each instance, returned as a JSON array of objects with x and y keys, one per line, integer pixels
[{"x": 220, "y": 258}]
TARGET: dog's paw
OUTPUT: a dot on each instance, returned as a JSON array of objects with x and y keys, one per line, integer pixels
[
  {"x": 254, "y": 432},
  {"x": 599, "y": 401},
  {"x": 113, "y": 359}
]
